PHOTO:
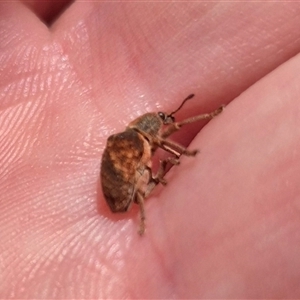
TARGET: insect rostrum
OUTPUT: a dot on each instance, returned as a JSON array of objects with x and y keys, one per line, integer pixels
[{"x": 126, "y": 174}]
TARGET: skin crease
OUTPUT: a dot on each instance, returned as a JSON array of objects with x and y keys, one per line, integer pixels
[{"x": 226, "y": 225}]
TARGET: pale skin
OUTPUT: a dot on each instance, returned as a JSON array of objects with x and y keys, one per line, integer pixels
[{"x": 227, "y": 223}]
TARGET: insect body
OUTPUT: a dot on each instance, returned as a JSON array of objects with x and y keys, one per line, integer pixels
[{"x": 126, "y": 173}]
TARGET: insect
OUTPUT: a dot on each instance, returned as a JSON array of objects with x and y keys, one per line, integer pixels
[{"x": 126, "y": 169}]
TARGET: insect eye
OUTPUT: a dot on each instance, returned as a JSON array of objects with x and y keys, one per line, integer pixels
[{"x": 162, "y": 115}]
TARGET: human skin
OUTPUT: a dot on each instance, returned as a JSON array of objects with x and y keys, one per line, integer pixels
[{"x": 226, "y": 225}]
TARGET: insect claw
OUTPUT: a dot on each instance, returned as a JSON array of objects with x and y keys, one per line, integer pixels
[
  {"x": 163, "y": 181},
  {"x": 191, "y": 152},
  {"x": 195, "y": 152},
  {"x": 218, "y": 111}
]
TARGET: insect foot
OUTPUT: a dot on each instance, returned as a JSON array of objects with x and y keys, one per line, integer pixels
[{"x": 126, "y": 168}]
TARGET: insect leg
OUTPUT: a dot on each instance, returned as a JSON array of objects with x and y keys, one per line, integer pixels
[
  {"x": 174, "y": 148},
  {"x": 140, "y": 200},
  {"x": 159, "y": 176},
  {"x": 177, "y": 125},
  {"x": 162, "y": 169},
  {"x": 154, "y": 180}
]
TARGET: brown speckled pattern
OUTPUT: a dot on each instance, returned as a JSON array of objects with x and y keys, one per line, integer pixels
[{"x": 120, "y": 161}]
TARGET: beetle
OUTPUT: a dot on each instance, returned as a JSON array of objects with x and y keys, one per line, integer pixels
[{"x": 126, "y": 168}]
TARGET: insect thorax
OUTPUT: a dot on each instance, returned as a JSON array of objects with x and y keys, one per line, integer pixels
[{"x": 149, "y": 123}]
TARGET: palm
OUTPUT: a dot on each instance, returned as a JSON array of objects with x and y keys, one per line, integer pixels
[{"x": 226, "y": 225}]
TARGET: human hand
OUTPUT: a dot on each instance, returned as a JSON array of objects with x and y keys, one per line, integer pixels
[{"x": 225, "y": 226}]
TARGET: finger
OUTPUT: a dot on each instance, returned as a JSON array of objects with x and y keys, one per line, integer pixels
[
  {"x": 237, "y": 202},
  {"x": 218, "y": 50}
]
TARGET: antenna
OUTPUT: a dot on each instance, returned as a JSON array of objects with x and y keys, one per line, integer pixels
[{"x": 186, "y": 99}]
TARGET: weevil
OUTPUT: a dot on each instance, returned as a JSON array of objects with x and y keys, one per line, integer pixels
[{"x": 126, "y": 168}]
